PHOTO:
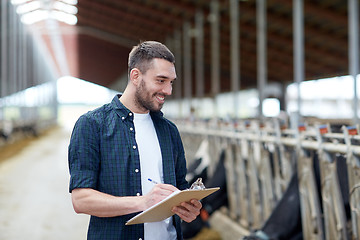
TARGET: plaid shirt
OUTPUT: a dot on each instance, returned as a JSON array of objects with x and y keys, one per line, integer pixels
[{"x": 103, "y": 155}]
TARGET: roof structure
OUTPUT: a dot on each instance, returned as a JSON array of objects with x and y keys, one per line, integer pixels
[{"x": 98, "y": 45}]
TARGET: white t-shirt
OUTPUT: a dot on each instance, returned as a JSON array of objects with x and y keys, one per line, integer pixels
[{"x": 151, "y": 167}]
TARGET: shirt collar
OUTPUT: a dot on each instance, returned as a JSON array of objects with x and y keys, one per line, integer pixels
[
  {"x": 124, "y": 112},
  {"x": 120, "y": 109}
]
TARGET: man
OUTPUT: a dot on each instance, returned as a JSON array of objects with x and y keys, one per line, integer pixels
[{"x": 116, "y": 148}]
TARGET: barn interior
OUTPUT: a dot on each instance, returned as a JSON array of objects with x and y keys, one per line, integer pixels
[{"x": 265, "y": 90}]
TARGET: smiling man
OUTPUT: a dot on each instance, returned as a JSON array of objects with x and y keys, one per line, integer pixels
[{"x": 116, "y": 148}]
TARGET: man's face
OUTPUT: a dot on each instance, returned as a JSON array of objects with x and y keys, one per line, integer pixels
[{"x": 154, "y": 85}]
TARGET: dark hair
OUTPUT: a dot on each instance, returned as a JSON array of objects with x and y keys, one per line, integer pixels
[{"x": 141, "y": 55}]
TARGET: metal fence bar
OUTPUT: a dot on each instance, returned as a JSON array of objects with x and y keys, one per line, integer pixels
[
  {"x": 309, "y": 197},
  {"x": 242, "y": 182},
  {"x": 260, "y": 161},
  {"x": 231, "y": 180},
  {"x": 333, "y": 204},
  {"x": 256, "y": 210},
  {"x": 310, "y": 144},
  {"x": 353, "y": 164}
]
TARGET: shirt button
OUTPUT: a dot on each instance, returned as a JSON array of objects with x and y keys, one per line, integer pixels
[
  {"x": 134, "y": 147},
  {"x": 122, "y": 118},
  {"x": 131, "y": 129},
  {"x": 138, "y": 194},
  {"x": 136, "y": 170},
  {"x": 130, "y": 114}
]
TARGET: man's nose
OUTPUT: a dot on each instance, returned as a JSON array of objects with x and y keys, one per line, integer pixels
[{"x": 167, "y": 89}]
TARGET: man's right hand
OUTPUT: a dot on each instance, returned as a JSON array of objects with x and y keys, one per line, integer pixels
[{"x": 158, "y": 193}]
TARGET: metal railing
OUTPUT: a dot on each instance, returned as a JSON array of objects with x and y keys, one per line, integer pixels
[{"x": 261, "y": 159}]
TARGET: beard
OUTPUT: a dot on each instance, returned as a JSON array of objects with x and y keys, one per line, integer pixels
[{"x": 145, "y": 100}]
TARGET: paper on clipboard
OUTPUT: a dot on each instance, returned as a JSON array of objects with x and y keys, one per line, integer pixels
[{"x": 162, "y": 210}]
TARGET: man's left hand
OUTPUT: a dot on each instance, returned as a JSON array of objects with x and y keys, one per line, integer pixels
[{"x": 188, "y": 211}]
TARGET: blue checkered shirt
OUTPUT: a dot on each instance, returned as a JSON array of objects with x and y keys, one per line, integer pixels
[{"x": 103, "y": 155}]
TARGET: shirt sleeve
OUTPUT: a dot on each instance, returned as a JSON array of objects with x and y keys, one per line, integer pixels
[{"x": 83, "y": 154}]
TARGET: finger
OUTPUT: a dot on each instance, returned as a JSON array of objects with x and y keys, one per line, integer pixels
[
  {"x": 184, "y": 214},
  {"x": 188, "y": 211},
  {"x": 159, "y": 193},
  {"x": 167, "y": 187},
  {"x": 193, "y": 206},
  {"x": 197, "y": 204}
]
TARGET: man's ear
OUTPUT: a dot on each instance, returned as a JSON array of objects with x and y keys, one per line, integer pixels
[{"x": 135, "y": 76}]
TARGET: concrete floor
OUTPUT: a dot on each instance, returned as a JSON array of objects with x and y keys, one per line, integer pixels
[{"x": 34, "y": 200}]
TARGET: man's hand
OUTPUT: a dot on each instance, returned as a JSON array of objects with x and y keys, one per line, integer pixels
[
  {"x": 188, "y": 211},
  {"x": 158, "y": 193}
]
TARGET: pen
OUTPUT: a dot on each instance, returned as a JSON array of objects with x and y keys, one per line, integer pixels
[{"x": 150, "y": 180}]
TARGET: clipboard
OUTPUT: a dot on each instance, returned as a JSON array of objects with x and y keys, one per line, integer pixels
[{"x": 162, "y": 209}]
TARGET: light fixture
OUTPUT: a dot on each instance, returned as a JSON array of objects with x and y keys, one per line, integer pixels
[
  {"x": 71, "y": 2},
  {"x": 28, "y": 7},
  {"x": 70, "y": 9},
  {"x": 17, "y": 2},
  {"x": 39, "y": 10},
  {"x": 34, "y": 16},
  {"x": 63, "y": 17}
]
